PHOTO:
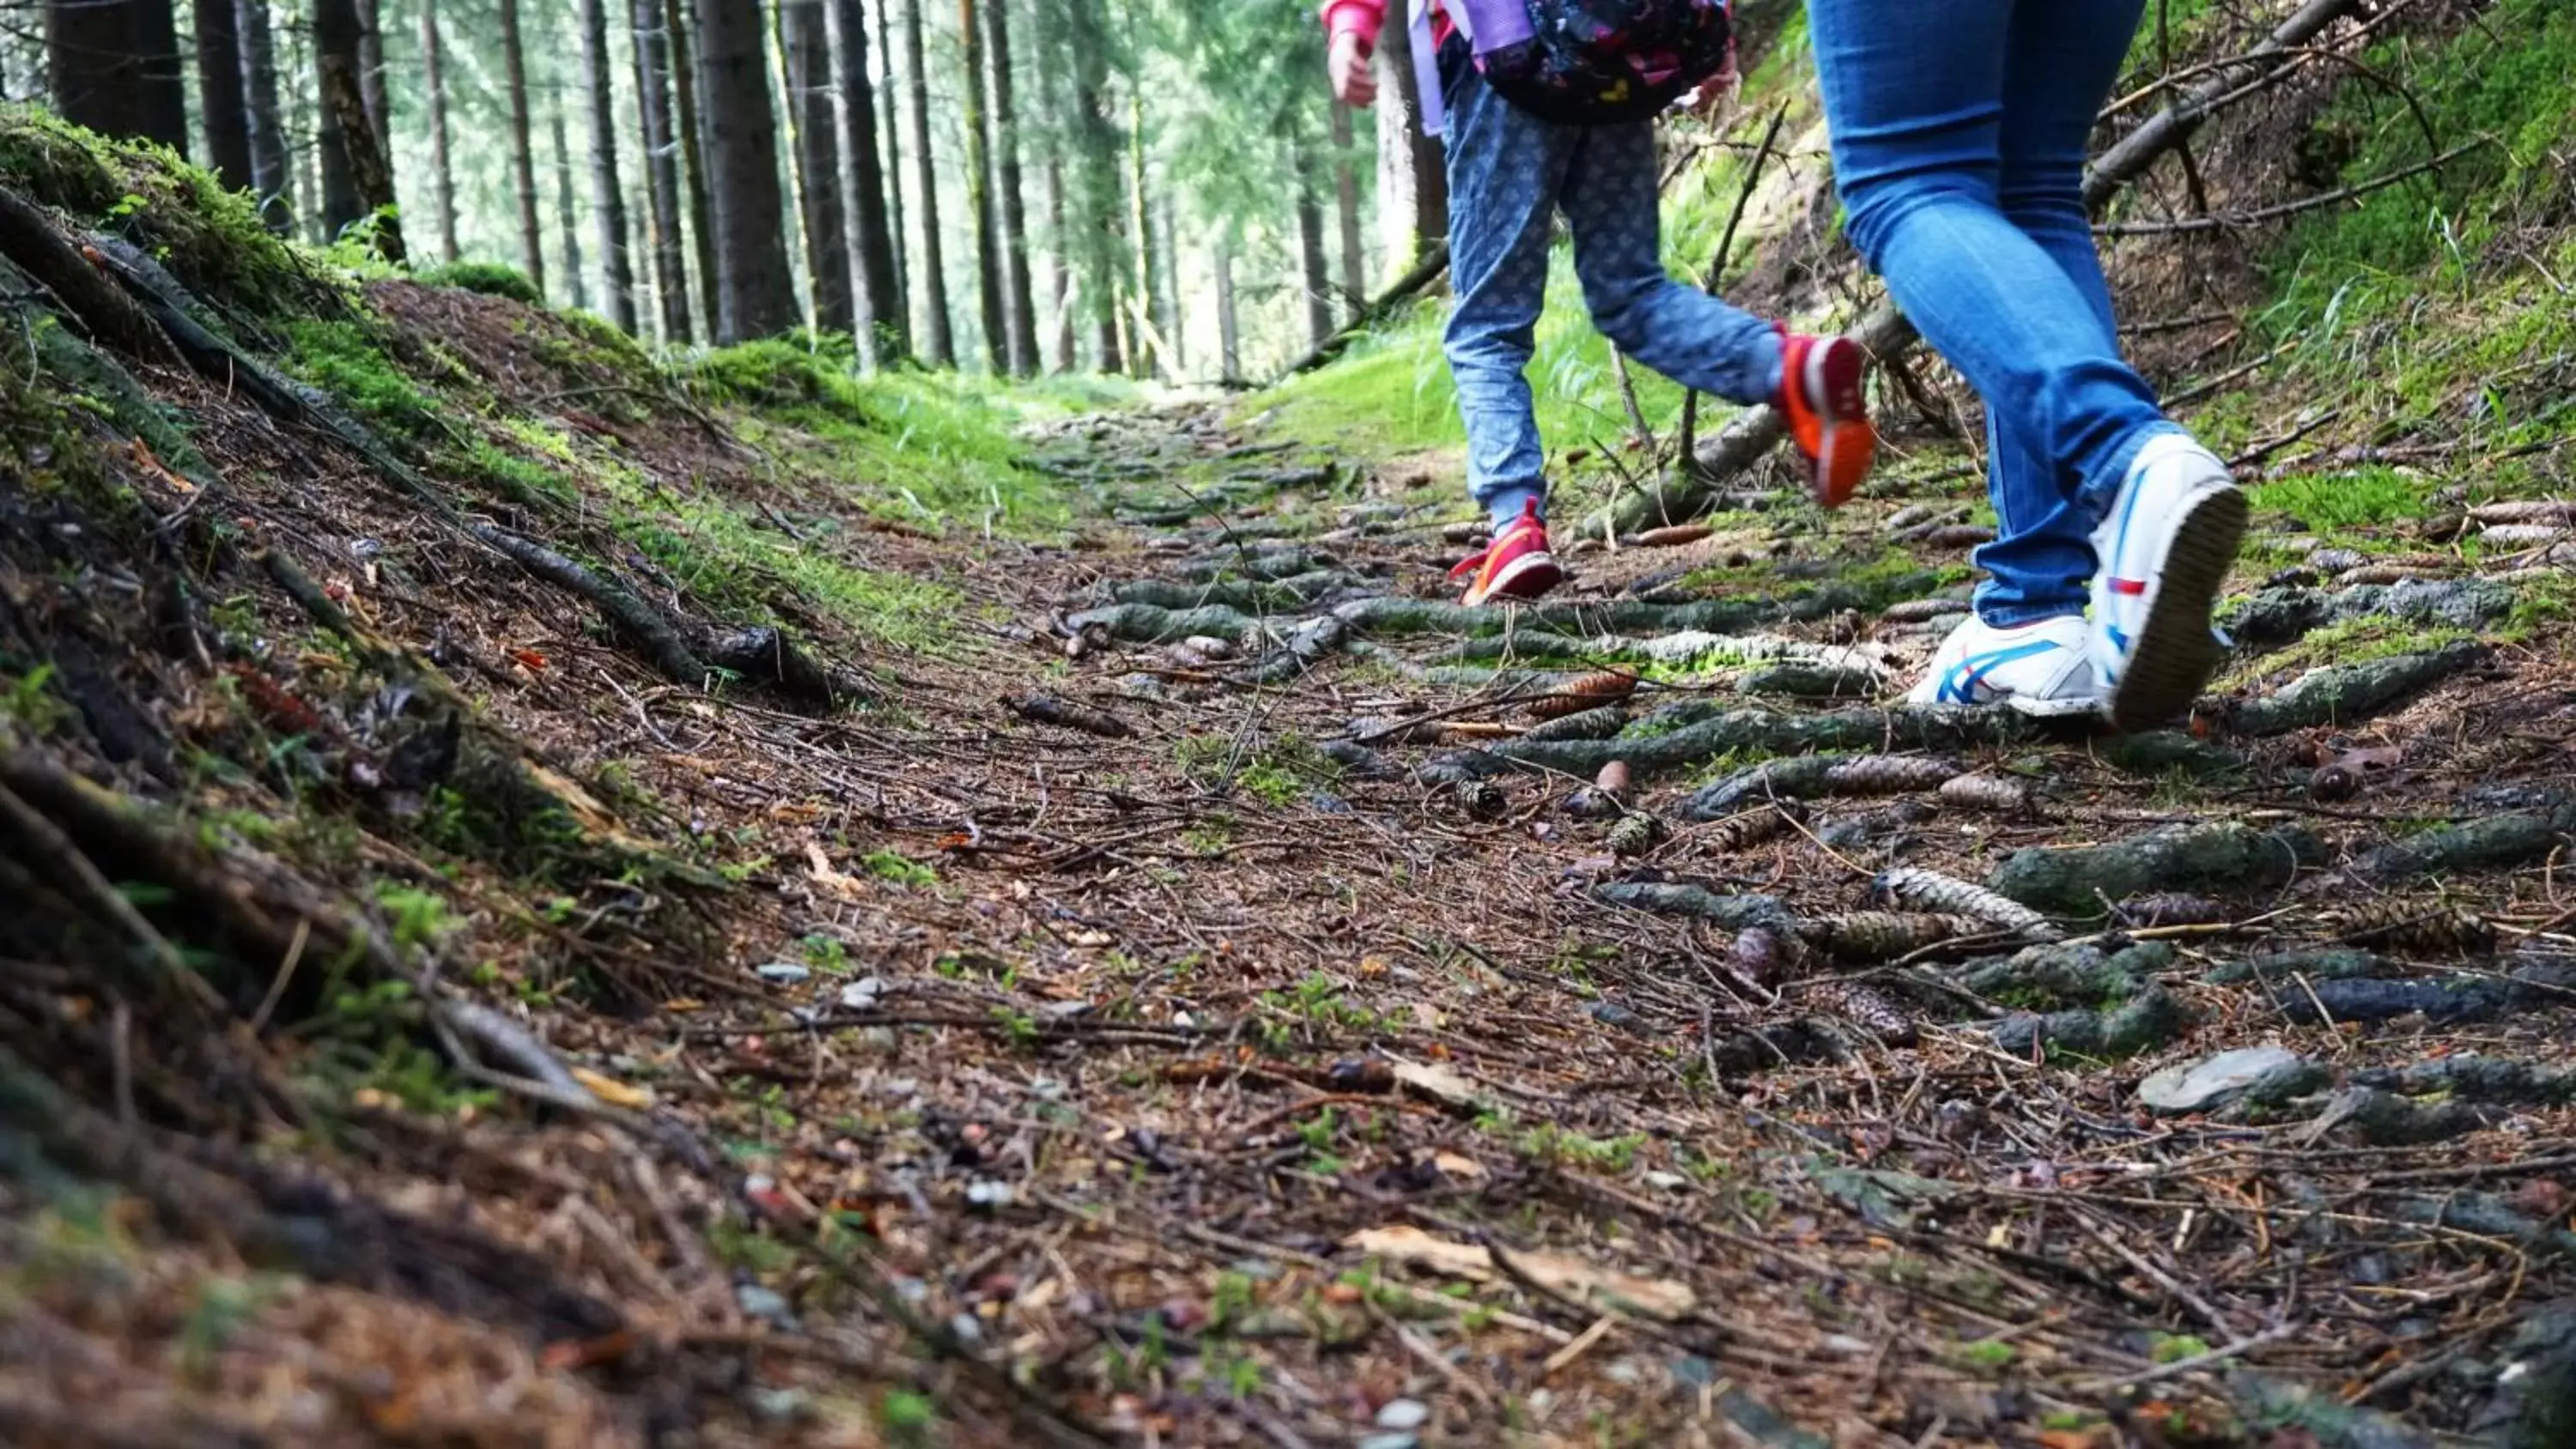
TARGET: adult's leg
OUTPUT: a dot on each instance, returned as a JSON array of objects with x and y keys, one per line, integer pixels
[
  {"x": 2061, "y": 59},
  {"x": 1505, "y": 168},
  {"x": 1679, "y": 331},
  {"x": 1915, "y": 97}
]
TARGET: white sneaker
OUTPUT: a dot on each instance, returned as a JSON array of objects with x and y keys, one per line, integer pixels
[
  {"x": 2163, "y": 550},
  {"x": 2039, "y": 668}
]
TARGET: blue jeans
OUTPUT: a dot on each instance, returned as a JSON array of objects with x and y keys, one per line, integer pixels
[
  {"x": 1959, "y": 133},
  {"x": 1509, "y": 173}
]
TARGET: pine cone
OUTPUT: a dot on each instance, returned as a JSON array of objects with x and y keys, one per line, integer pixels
[
  {"x": 1885, "y": 935},
  {"x": 2169, "y": 908},
  {"x": 1915, "y": 886},
  {"x": 1986, "y": 792},
  {"x": 1742, "y": 832},
  {"x": 1634, "y": 835},
  {"x": 1590, "y": 692},
  {"x": 1886, "y": 774},
  {"x": 2404, "y": 926},
  {"x": 1863, "y": 1006}
]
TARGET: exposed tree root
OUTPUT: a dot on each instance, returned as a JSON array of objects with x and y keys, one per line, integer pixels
[
  {"x": 2498, "y": 842},
  {"x": 2069, "y": 972},
  {"x": 2280, "y": 616},
  {"x": 1650, "y": 746},
  {"x": 1813, "y": 776},
  {"x": 2342, "y": 693},
  {"x": 1735, "y": 913},
  {"x": 654, "y": 636},
  {"x": 2154, "y": 1017},
  {"x": 2226, "y": 858}
]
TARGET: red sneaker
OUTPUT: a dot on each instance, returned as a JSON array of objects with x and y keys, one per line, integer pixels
[
  {"x": 1516, "y": 565},
  {"x": 1821, "y": 395}
]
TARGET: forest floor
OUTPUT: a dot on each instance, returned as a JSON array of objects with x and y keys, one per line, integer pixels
[{"x": 1173, "y": 978}]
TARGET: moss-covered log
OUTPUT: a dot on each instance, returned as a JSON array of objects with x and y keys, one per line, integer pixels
[
  {"x": 2166, "y": 752},
  {"x": 2498, "y": 842},
  {"x": 2474, "y": 1078},
  {"x": 2280, "y": 616},
  {"x": 2154, "y": 1017},
  {"x": 2342, "y": 693},
  {"x": 1814, "y": 681},
  {"x": 2069, "y": 974},
  {"x": 2226, "y": 858}
]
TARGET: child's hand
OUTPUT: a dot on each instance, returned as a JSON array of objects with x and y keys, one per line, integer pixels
[{"x": 1354, "y": 84}]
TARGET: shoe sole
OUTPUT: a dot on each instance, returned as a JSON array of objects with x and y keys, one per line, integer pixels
[
  {"x": 2173, "y": 656},
  {"x": 1524, "y": 578},
  {"x": 1835, "y": 375}
]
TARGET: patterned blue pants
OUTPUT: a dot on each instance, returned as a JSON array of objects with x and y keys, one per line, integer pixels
[{"x": 1509, "y": 173}]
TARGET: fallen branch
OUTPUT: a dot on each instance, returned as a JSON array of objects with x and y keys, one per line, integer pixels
[
  {"x": 659, "y": 640},
  {"x": 1888, "y": 335},
  {"x": 1433, "y": 266},
  {"x": 2217, "y": 221}
]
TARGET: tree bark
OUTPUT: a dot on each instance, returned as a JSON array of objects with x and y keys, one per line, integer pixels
[
  {"x": 1019, "y": 312},
  {"x": 693, "y": 156},
  {"x": 116, "y": 68},
  {"x": 335, "y": 59},
  {"x": 224, "y": 112},
  {"x": 607, "y": 195},
  {"x": 979, "y": 188},
  {"x": 756, "y": 291},
  {"x": 1096, "y": 158},
  {"x": 661, "y": 166},
  {"x": 938, "y": 341},
  {"x": 442, "y": 172},
  {"x": 1229, "y": 332},
  {"x": 1059, "y": 260},
  {"x": 1176, "y": 318},
  {"x": 1145, "y": 359},
  {"x": 371, "y": 72},
  {"x": 567, "y": 211},
  {"x": 1346, "y": 208},
  {"x": 1315, "y": 274},
  {"x": 882, "y": 335},
  {"x": 806, "y": 52},
  {"x": 369, "y": 175},
  {"x": 523, "y": 158},
  {"x": 1412, "y": 184},
  {"x": 269, "y": 176},
  {"x": 890, "y": 130}
]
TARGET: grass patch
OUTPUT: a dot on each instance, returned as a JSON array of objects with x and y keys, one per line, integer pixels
[{"x": 2370, "y": 497}]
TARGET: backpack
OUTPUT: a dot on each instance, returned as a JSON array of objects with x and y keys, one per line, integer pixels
[{"x": 1584, "y": 62}]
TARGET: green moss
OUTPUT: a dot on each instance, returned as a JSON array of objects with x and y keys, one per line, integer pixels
[
  {"x": 491, "y": 279},
  {"x": 344, "y": 359}
]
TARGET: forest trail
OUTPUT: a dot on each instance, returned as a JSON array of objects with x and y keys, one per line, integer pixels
[{"x": 1163, "y": 983}]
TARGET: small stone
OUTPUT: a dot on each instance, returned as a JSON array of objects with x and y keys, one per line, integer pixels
[
  {"x": 1404, "y": 1414},
  {"x": 785, "y": 973},
  {"x": 986, "y": 1192},
  {"x": 2210, "y": 1082},
  {"x": 863, "y": 994}
]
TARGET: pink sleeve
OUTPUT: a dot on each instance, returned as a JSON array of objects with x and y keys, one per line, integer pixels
[{"x": 1359, "y": 17}]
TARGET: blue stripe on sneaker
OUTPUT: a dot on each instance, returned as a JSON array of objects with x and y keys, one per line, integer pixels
[{"x": 1960, "y": 687}]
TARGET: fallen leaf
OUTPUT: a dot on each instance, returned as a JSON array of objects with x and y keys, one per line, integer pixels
[
  {"x": 1440, "y": 1084},
  {"x": 612, "y": 1091},
  {"x": 1584, "y": 1282},
  {"x": 819, "y": 869}
]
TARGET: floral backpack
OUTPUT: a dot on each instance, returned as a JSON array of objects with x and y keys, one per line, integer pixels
[{"x": 1580, "y": 62}]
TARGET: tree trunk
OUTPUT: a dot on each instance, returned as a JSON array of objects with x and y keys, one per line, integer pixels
[
  {"x": 661, "y": 166},
  {"x": 567, "y": 212},
  {"x": 363, "y": 164},
  {"x": 1229, "y": 330},
  {"x": 882, "y": 335},
  {"x": 1059, "y": 260},
  {"x": 693, "y": 157},
  {"x": 979, "y": 188},
  {"x": 1316, "y": 275},
  {"x": 269, "y": 176},
  {"x": 1176, "y": 321},
  {"x": 755, "y": 291},
  {"x": 116, "y": 68},
  {"x": 523, "y": 157},
  {"x": 607, "y": 196},
  {"x": 442, "y": 173},
  {"x": 890, "y": 130},
  {"x": 1019, "y": 314},
  {"x": 371, "y": 72},
  {"x": 335, "y": 60},
  {"x": 938, "y": 341},
  {"x": 1412, "y": 186},
  {"x": 1346, "y": 207},
  {"x": 1145, "y": 359},
  {"x": 224, "y": 113},
  {"x": 806, "y": 52},
  {"x": 1096, "y": 155}
]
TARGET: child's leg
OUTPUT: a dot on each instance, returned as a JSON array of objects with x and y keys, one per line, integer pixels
[
  {"x": 1504, "y": 170},
  {"x": 1679, "y": 331}
]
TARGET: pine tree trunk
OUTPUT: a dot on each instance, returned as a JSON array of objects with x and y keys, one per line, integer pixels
[
  {"x": 1316, "y": 275},
  {"x": 882, "y": 335},
  {"x": 363, "y": 162},
  {"x": 1176, "y": 321},
  {"x": 335, "y": 56},
  {"x": 756, "y": 290},
  {"x": 661, "y": 166},
  {"x": 1019, "y": 315},
  {"x": 890, "y": 131},
  {"x": 806, "y": 53},
  {"x": 567, "y": 211},
  {"x": 523, "y": 156},
  {"x": 224, "y": 114},
  {"x": 938, "y": 340},
  {"x": 1346, "y": 209},
  {"x": 1059, "y": 261},
  {"x": 1145, "y": 359},
  {"x": 371, "y": 71},
  {"x": 1229, "y": 327},
  {"x": 1412, "y": 186},
  {"x": 116, "y": 68},
  {"x": 269, "y": 176},
  {"x": 692, "y": 137},
  {"x": 1096, "y": 155},
  {"x": 607, "y": 195},
  {"x": 979, "y": 187},
  {"x": 442, "y": 173}
]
